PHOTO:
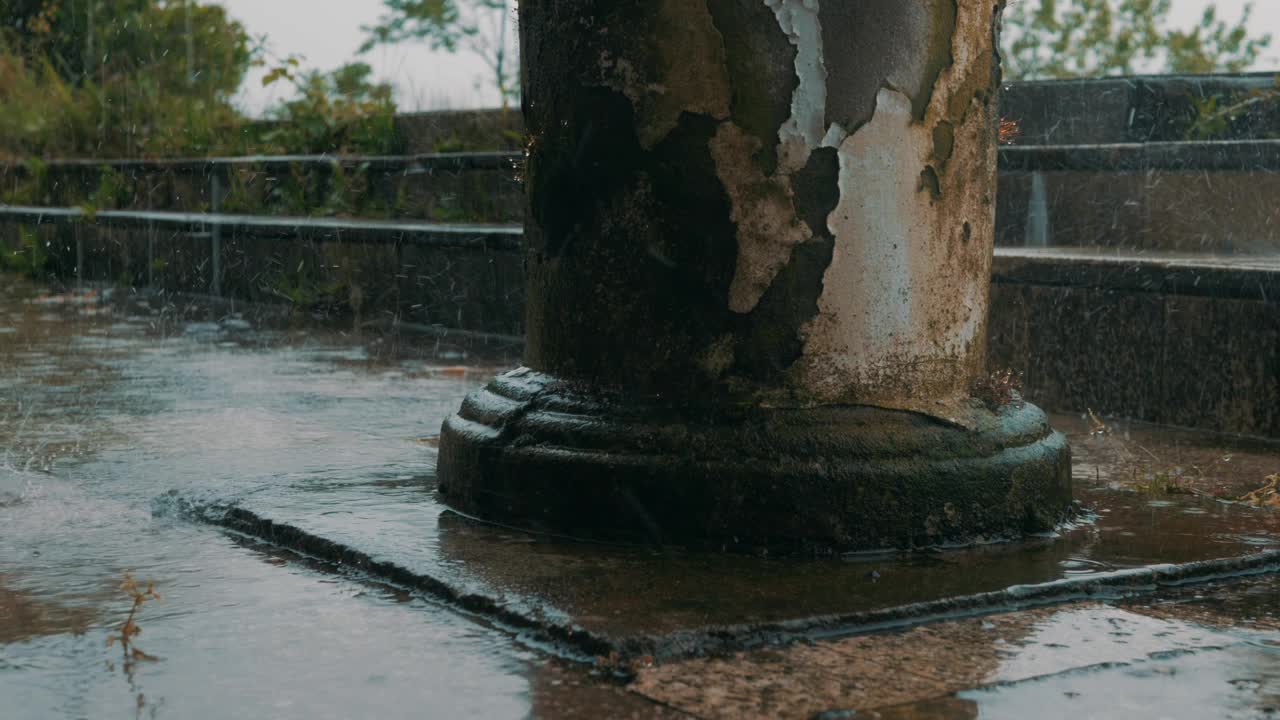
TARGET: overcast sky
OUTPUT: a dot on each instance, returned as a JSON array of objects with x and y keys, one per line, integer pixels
[{"x": 327, "y": 33}]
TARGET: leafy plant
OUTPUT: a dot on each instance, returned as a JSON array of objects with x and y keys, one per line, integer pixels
[
  {"x": 306, "y": 290},
  {"x": 112, "y": 192},
  {"x": 28, "y": 258},
  {"x": 1000, "y": 388},
  {"x": 31, "y": 186},
  {"x": 240, "y": 195},
  {"x": 118, "y": 77},
  {"x": 1218, "y": 116},
  {"x": 342, "y": 111},
  {"x": 130, "y": 629}
]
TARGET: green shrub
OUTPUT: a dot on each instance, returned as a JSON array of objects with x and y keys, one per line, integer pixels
[{"x": 27, "y": 256}]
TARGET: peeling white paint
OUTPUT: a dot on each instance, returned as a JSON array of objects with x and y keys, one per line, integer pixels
[
  {"x": 763, "y": 208},
  {"x": 903, "y": 305},
  {"x": 835, "y": 135},
  {"x": 902, "y": 316},
  {"x": 868, "y": 297},
  {"x": 804, "y": 130}
]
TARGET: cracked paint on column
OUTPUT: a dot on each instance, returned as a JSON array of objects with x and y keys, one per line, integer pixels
[
  {"x": 902, "y": 314},
  {"x": 763, "y": 206},
  {"x": 695, "y": 166},
  {"x": 804, "y": 130}
]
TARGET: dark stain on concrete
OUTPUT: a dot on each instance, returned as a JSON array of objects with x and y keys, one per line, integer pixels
[
  {"x": 696, "y": 233},
  {"x": 578, "y": 166},
  {"x": 930, "y": 182},
  {"x": 669, "y": 275},
  {"x": 618, "y": 238},
  {"x": 944, "y": 141},
  {"x": 817, "y": 189},
  {"x": 769, "y": 341}
]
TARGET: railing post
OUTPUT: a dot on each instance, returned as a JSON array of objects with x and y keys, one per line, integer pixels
[
  {"x": 151, "y": 240},
  {"x": 215, "y": 231},
  {"x": 1037, "y": 231},
  {"x": 79, "y": 255}
]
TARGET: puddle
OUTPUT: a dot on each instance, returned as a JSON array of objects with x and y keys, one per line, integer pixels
[
  {"x": 1096, "y": 636},
  {"x": 1237, "y": 682},
  {"x": 1067, "y": 662},
  {"x": 80, "y": 471}
]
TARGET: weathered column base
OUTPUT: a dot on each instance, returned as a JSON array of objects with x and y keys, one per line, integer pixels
[{"x": 546, "y": 455}]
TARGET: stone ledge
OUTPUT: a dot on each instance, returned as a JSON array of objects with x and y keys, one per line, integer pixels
[{"x": 1240, "y": 277}]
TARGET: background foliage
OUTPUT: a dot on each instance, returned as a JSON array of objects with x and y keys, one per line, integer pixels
[
  {"x": 98, "y": 77},
  {"x": 1087, "y": 38},
  {"x": 340, "y": 110},
  {"x": 152, "y": 78}
]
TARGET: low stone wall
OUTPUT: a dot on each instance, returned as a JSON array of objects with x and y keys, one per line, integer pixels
[
  {"x": 1131, "y": 329},
  {"x": 1217, "y": 197},
  {"x": 1184, "y": 340},
  {"x": 450, "y": 278},
  {"x": 460, "y": 130},
  {"x": 1181, "y": 340},
  {"x": 1150, "y": 108},
  {"x": 472, "y": 187}
]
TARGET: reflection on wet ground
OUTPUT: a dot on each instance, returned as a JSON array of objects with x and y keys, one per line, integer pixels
[
  {"x": 101, "y": 416},
  {"x": 1076, "y": 661},
  {"x": 121, "y": 421},
  {"x": 25, "y": 615}
]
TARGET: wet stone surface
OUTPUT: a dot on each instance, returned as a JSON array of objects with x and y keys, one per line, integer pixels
[
  {"x": 132, "y": 437},
  {"x": 1078, "y": 660},
  {"x": 669, "y": 602},
  {"x": 103, "y": 415}
]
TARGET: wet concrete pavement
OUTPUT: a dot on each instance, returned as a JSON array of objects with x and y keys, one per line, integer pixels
[
  {"x": 275, "y": 480},
  {"x": 1078, "y": 660}
]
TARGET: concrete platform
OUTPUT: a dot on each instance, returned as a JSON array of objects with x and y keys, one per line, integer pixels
[
  {"x": 635, "y": 601},
  {"x": 323, "y": 578}
]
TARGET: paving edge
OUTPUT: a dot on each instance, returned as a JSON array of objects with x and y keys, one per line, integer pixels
[
  {"x": 344, "y": 558},
  {"x": 719, "y": 640}
]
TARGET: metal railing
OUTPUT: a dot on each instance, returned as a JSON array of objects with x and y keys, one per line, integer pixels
[
  {"x": 1254, "y": 155},
  {"x": 198, "y": 226},
  {"x": 1216, "y": 155},
  {"x": 408, "y": 164}
]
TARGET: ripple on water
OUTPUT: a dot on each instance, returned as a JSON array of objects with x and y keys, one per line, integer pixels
[{"x": 1083, "y": 566}]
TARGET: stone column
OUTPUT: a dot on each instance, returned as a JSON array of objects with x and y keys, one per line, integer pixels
[{"x": 759, "y": 238}]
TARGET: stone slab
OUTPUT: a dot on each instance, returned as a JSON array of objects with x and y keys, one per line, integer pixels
[{"x": 636, "y": 601}]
